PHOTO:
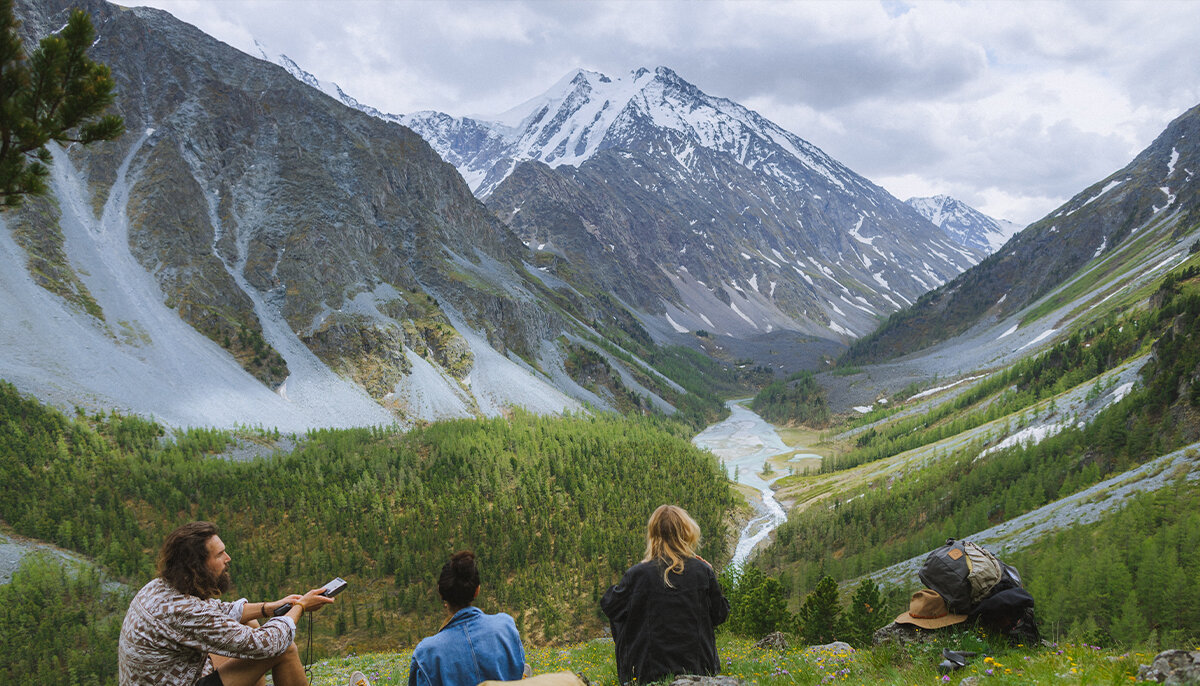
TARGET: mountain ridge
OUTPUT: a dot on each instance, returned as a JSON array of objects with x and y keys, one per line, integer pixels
[
  {"x": 1154, "y": 195},
  {"x": 690, "y": 164},
  {"x": 657, "y": 112}
]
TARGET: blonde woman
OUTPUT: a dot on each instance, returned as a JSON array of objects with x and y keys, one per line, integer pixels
[{"x": 664, "y": 609}]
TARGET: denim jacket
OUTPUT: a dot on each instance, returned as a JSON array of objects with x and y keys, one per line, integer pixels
[{"x": 471, "y": 647}]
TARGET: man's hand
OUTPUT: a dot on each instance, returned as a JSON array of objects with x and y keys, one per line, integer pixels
[
  {"x": 272, "y": 607},
  {"x": 313, "y": 600}
]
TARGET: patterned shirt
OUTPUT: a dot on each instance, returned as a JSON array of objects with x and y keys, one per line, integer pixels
[{"x": 167, "y": 636}]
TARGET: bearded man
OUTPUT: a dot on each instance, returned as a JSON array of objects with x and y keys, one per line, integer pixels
[{"x": 178, "y": 632}]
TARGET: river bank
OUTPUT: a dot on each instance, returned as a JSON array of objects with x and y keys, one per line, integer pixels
[{"x": 755, "y": 456}]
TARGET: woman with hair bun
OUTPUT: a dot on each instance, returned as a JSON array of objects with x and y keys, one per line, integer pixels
[
  {"x": 664, "y": 610},
  {"x": 471, "y": 646}
]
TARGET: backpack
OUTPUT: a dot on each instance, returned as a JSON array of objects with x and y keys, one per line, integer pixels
[{"x": 963, "y": 573}]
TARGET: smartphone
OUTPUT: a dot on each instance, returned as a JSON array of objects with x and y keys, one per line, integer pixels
[{"x": 334, "y": 587}]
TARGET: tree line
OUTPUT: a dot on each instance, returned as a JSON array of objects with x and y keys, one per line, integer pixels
[
  {"x": 1084, "y": 355},
  {"x": 555, "y": 508},
  {"x": 798, "y": 399}
]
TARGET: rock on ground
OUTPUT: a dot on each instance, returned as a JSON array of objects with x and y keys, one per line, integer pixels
[
  {"x": 903, "y": 634},
  {"x": 696, "y": 680},
  {"x": 835, "y": 647},
  {"x": 1173, "y": 667},
  {"x": 773, "y": 641}
]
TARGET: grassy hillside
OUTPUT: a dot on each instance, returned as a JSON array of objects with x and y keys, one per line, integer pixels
[{"x": 907, "y": 482}]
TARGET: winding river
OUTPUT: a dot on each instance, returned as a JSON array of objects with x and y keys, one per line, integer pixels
[{"x": 744, "y": 442}]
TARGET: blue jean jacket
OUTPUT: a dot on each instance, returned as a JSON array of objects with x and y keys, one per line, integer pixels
[{"x": 471, "y": 648}]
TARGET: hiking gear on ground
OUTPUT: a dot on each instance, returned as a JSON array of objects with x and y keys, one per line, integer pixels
[
  {"x": 358, "y": 679},
  {"x": 962, "y": 572},
  {"x": 1009, "y": 613},
  {"x": 954, "y": 659}
]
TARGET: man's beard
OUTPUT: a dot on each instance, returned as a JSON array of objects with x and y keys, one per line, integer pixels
[{"x": 223, "y": 582}]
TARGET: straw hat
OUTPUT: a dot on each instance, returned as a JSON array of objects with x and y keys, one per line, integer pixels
[{"x": 928, "y": 611}]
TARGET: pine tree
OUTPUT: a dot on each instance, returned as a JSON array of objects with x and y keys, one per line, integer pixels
[
  {"x": 819, "y": 614},
  {"x": 766, "y": 607},
  {"x": 864, "y": 615},
  {"x": 54, "y": 94},
  {"x": 1130, "y": 626}
]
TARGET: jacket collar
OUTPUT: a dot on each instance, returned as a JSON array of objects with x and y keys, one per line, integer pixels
[{"x": 462, "y": 616}]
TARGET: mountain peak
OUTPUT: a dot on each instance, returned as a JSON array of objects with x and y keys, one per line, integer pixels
[
  {"x": 966, "y": 225},
  {"x": 586, "y": 112}
]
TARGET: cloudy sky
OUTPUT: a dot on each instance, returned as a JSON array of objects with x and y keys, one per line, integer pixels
[{"x": 1011, "y": 106}]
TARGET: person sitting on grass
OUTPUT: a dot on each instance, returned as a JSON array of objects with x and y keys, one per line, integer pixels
[
  {"x": 177, "y": 631},
  {"x": 664, "y": 610},
  {"x": 471, "y": 646}
]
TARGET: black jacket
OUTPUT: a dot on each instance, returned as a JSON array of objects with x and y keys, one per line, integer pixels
[{"x": 661, "y": 631}]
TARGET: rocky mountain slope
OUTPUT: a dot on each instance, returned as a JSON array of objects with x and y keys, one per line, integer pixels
[
  {"x": 248, "y": 235},
  {"x": 1134, "y": 222},
  {"x": 700, "y": 210},
  {"x": 965, "y": 224},
  {"x": 696, "y": 210}
]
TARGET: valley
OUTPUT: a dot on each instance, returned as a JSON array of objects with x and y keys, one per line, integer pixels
[{"x": 359, "y": 341}]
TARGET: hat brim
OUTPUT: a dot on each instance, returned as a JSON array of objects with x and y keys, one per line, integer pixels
[{"x": 931, "y": 623}]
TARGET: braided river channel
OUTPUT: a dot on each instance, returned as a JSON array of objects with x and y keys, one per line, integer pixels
[{"x": 743, "y": 442}]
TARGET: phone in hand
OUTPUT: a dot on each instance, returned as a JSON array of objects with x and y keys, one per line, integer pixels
[{"x": 331, "y": 589}]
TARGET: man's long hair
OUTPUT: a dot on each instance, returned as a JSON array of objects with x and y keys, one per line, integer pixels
[
  {"x": 181, "y": 562},
  {"x": 672, "y": 537}
]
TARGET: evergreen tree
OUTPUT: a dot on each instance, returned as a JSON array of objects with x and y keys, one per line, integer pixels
[
  {"x": 864, "y": 615},
  {"x": 1130, "y": 626},
  {"x": 55, "y": 94},
  {"x": 766, "y": 609},
  {"x": 819, "y": 614}
]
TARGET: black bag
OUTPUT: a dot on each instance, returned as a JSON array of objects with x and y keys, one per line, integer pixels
[
  {"x": 963, "y": 573},
  {"x": 1009, "y": 613}
]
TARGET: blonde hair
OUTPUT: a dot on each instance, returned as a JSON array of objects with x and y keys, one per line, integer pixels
[{"x": 672, "y": 536}]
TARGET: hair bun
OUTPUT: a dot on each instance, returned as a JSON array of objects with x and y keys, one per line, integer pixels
[{"x": 459, "y": 579}]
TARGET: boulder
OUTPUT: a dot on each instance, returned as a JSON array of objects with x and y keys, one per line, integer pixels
[
  {"x": 773, "y": 641},
  {"x": 1173, "y": 667},
  {"x": 837, "y": 647},
  {"x": 697, "y": 680},
  {"x": 903, "y": 634}
]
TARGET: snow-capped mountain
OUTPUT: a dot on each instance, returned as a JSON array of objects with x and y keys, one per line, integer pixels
[
  {"x": 698, "y": 211},
  {"x": 965, "y": 224}
]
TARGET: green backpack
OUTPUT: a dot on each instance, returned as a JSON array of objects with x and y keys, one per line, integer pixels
[{"x": 962, "y": 572}]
